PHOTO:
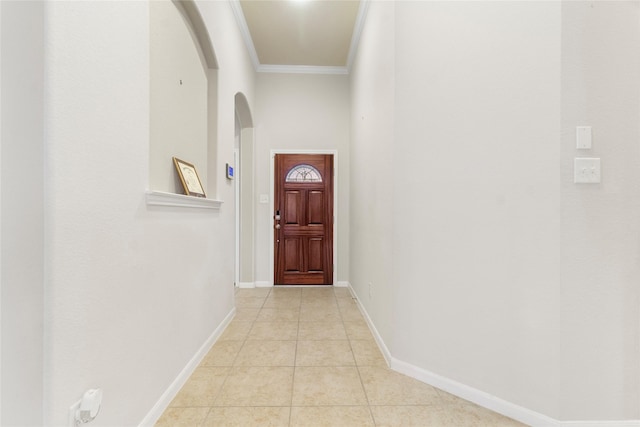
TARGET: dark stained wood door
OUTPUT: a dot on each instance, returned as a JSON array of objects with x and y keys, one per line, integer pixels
[{"x": 303, "y": 219}]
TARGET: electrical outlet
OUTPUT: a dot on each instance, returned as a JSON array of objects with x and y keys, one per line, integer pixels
[
  {"x": 73, "y": 410},
  {"x": 370, "y": 290},
  {"x": 586, "y": 170}
]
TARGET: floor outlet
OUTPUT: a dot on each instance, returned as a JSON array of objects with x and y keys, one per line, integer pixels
[{"x": 73, "y": 409}]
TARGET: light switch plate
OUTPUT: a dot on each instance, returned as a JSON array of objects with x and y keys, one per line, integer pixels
[
  {"x": 586, "y": 170},
  {"x": 583, "y": 137}
]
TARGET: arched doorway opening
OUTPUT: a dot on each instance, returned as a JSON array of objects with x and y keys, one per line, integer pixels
[{"x": 244, "y": 193}]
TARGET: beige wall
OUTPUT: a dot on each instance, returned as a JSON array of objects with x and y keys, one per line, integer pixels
[
  {"x": 22, "y": 210},
  {"x": 506, "y": 277},
  {"x": 247, "y": 207},
  {"x": 600, "y": 235},
  {"x": 304, "y": 112},
  {"x": 373, "y": 168},
  {"x": 476, "y": 253},
  {"x": 179, "y": 88},
  {"x": 133, "y": 291}
]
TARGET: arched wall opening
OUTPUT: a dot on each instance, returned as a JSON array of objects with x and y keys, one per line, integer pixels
[
  {"x": 245, "y": 194},
  {"x": 183, "y": 95}
]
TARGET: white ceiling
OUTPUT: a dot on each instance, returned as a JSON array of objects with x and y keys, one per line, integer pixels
[{"x": 313, "y": 36}]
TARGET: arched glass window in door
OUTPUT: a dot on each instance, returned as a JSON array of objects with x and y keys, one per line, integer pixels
[{"x": 304, "y": 173}]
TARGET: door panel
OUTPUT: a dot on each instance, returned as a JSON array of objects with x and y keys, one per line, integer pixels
[
  {"x": 292, "y": 255},
  {"x": 293, "y": 207},
  {"x": 315, "y": 211},
  {"x": 315, "y": 254},
  {"x": 303, "y": 219}
]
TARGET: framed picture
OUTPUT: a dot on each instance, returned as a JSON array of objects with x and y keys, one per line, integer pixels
[{"x": 189, "y": 178}]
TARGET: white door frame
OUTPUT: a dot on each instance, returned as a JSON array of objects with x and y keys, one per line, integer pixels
[
  {"x": 236, "y": 190},
  {"x": 272, "y": 206}
]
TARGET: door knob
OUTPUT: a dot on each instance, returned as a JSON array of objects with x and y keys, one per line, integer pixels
[{"x": 277, "y": 226}]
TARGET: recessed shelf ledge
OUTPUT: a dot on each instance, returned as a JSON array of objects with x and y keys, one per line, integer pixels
[{"x": 161, "y": 198}]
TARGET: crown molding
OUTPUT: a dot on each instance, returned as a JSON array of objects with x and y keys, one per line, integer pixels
[
  {"x": 301, "y": 69},
  {"x": 244, "y": 30},
  {"x": 357, "y": 32}
]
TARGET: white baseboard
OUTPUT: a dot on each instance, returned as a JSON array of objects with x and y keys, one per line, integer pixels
[
  {"x": 623, "y": 423},
  {"x": 476, "y": 396},
  {"x": 246, "y": 285},
  {"x": 163, "y": 403},
  {"x": 381, "y": 344},
  {"x": 263, "y": 284}
]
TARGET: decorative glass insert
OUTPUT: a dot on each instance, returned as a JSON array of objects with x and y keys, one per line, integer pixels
[{"x": 304, "y": 173}]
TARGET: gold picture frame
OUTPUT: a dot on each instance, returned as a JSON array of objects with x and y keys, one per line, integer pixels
[{"x": 189, "y": 178}]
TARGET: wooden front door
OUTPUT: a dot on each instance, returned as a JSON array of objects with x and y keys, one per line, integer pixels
[{"x": 303, "y": 219}]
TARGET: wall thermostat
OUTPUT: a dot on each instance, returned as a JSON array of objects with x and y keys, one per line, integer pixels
[{"x": 229, "y": 171}]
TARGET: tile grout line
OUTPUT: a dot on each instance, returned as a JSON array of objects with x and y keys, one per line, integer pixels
[
  {"x": 295, "y": 360},
  {"x": 210, "y": 409},
  {"x": 364, "y": 390},
  {"x": 345, "y": 316},
  {"x": 230, "y": 368}
]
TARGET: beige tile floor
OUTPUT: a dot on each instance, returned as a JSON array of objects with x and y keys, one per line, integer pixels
[{"x": 305, "y": 357}]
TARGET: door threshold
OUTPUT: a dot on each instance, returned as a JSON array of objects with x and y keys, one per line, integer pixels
[{"x": 303, "y": 286}]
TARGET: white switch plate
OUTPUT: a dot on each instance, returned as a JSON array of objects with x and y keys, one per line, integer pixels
[
  {"x": 586, "y": 170},
  {"x": 583, "y": 137}
]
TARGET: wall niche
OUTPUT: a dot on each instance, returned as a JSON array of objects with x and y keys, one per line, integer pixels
[{"x": 183, "y": 88}]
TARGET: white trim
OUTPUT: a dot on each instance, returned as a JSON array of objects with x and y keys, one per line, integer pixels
[
  {"x": 342, "y": 284},
  {"x": 474, "y": 395},
  {"x": 263, "y": 284},
  {"x": 357, "y": 32},
  {"x": 381, "y": 344},
  {"x": 496, "y": 404},
  {"x": 335, "y": 203},
  {"x": 246, "y": 285},
  {"x": 244, "y": 30},
  {"x": 304, "y": 286},
  {"x": 479, "y": 397},
  {"x": 163, "y": 403},
  {"x": 301, "y": 69},
  {"x": 623, "y": 423},
  {"x": 236, "y": 194},
  {"x": 160, "y": 198},
  {"x": 254, "y": 207},
  {"x": 1, "y": 241}
]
